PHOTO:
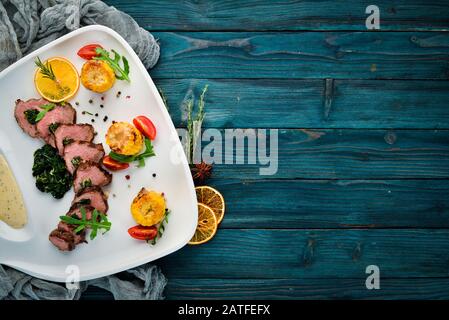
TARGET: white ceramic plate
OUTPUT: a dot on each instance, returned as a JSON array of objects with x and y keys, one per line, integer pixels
[{"x": 28, "y": 249}]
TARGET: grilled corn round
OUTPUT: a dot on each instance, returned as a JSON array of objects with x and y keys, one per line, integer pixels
[
  {"x": 148, "y": 207},
  {"x": 123, "y": 138},
  {"x": 97, "y": 76}
]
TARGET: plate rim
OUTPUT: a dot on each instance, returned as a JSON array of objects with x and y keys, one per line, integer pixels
[{"x": 119, "y": 267}]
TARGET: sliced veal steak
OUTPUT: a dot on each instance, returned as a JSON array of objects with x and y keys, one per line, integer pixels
[
  {"x": 81, "y": 151},
  {"x": 75, "y": 211},
  {"x": 61, "y": 114},
  {"x": 70, "y": 228},
  {"x": 63, "y": 240},
  {"x": 89, "y": 174},
  {"x": 94, "y": 197},
  {"x": 19, "y": 114},
  {"x": 68, "y": 133}
]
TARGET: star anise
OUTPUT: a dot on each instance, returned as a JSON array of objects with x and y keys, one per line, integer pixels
[{"x": 201, "y": 172}]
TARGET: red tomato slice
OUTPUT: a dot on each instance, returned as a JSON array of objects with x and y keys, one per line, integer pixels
[
  {"x": 145, "y": 126},
  {"x": 113, "y": 165},
  {"x": 143, "y": 233},
  {"x": 88, "y": 52}
]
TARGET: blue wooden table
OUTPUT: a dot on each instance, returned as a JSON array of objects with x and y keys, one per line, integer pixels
[{"x": 363, "y": 119}]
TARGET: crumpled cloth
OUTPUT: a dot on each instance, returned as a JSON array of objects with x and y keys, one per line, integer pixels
[
  {"x": 142, "y": 283},
  {"x": 26, "y": 25}
]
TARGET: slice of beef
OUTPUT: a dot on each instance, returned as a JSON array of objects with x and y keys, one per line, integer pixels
[
  {"x": 81, "y": 151},
  {"x": 89, "y": 174},
  {"x": 61, "y": 114},
  {"x": 63, "y": 240},
  {"x": 19, "y": 114},
  {"x": 94, "y": 197},
  {"x": 70, "y": 228},
  {"x": 75, "y": 211},
  {"x": 68, "y": 133}
]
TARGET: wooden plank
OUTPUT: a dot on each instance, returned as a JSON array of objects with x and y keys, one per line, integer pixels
[
  {"x": 281, "y": 103},
  {"x": 362, "y": 55},
  {"x": 283, "y": 15},
  {"x": 326, "y": 204},
  {"x": 339, "y": 154},
  {"x": 323, "y": 254},
  {"x": 272, "y": 289}
]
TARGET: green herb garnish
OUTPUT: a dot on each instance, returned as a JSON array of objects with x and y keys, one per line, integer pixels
[
  {"x": 50, "y": 172},
  {"x": 46, "y": 69},
  {"x": 31, "y": 115},
  {"x": 161, "y": 227},
  {"x": 84, "y": 202},
  {"x": 120, "y": 73},
  {"x": 67, "y": 141},
  {"x": 52, "y": 128},
  {"x": 99, "y": 221},
  {"x": 194, "y": 124},
  {"x": 46, "y": 107},
  {"x": 76, "y": 161},
  {"x": 140, "y": 158},
  {"x": 86, "y": 183}
]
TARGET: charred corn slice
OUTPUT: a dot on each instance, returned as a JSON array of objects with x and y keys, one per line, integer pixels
[
  {"x": 148, "y": 207},
  {"x": 97, "y": 76},
  {"x": 124, "y": 138}
]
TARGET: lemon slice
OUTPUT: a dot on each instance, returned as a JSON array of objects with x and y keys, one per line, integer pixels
[
  {"x": 213, "y": 199},
  {"x": 65, "y": 84},
  {"x": 207, "y": 225}
]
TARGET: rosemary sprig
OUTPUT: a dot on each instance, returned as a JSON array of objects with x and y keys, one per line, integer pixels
[
  {"x": 95, "y": 224},
  {"x": 194, "y": 124},
  {"x": 161, "y": 227},
  {"x": 46, "y": 69}
]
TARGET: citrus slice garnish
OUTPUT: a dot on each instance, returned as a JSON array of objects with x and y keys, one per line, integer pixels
[
  {"x": 207, "y": 225},
  {"x": 213, "y": 199},
  {"x": 63, "y": 86}
]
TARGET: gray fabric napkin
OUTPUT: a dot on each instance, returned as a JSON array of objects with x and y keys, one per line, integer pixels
[{"x": 26, "y": 25}]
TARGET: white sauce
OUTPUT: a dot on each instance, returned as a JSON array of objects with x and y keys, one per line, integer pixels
[{"x": 12, "y": 208}]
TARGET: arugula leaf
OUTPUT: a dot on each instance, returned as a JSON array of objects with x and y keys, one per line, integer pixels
[
  {"x": 94, "y": 223},
  {"x": 120, "y": 73},
  {"x": 46, "y": 107},
  {"x": 140, "y": 158}
]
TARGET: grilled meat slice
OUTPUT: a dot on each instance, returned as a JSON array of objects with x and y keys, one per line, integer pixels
[
  {"x": 68, "y": 133},
  {"x": 94, "y": 197},
  {"x": 20, "y": 114},
  {"x": 78, "y": 238},
  {"x": 80, "y": 151},
  {"x": 61, "y": 114},
  {"x": 89, "y": 174},
  {"x": 63, "y": 240}
]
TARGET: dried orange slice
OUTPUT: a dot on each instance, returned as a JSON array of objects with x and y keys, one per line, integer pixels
[
  {"x": 213, "y": 199},
  {"x": 63, "y": 82},
  {"x": 207, "y": 225}
]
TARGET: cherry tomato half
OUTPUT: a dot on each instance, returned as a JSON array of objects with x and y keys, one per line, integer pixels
[
  {"x": 88, "y": 52},
  {"x": 145, "y": 126},
  {"x": 143, "y": 233},
  {"x": 113, "y": 165}
]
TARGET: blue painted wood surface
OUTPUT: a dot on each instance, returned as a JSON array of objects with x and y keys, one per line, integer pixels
[{"x": 363, "y": 123}]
